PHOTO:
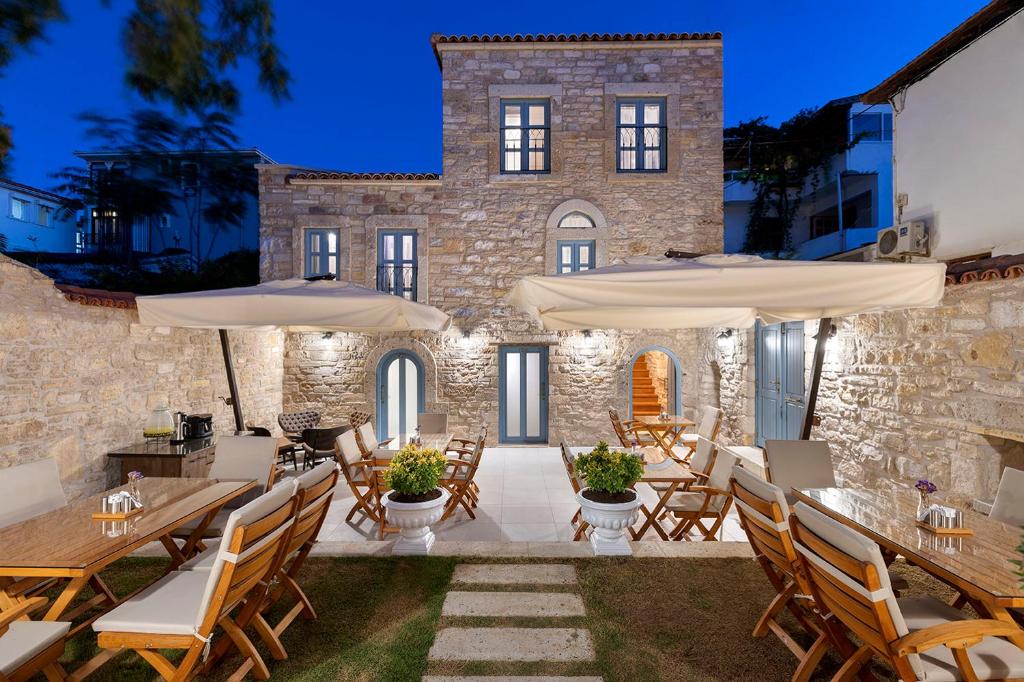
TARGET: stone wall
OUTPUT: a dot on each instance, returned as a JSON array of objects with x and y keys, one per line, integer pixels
[
  {"x": 77, "y": 381},
  {"x": 932, "y": 393}
]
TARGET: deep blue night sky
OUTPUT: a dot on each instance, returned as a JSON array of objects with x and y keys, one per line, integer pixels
[{"x": 366, "y": 91}]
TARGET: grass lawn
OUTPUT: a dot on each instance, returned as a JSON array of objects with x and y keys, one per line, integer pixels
[{"x": 651, "y": 619}]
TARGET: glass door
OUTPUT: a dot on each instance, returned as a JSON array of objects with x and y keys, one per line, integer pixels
[
  {"x": 399, "y": 393},
  {"x": 523, "y": 394}
]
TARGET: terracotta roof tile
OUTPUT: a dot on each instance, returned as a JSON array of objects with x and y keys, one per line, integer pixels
[
  {"x": 439, "y": 38},
  {"x": 384, "y": 177},
  {"x": 97, "y": 297},
  {"x": 986, "y": 269}
]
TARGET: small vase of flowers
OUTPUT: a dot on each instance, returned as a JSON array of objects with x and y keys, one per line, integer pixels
[{"x": 925, "y": 489}]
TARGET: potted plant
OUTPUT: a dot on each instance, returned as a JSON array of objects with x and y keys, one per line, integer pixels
[
  {"x": 608, "y": 502},
  {"x": 415, "y": 501}
]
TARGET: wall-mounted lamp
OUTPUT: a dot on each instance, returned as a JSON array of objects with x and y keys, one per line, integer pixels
[
  {"x": 328, "y": 335},
  {"x": 725, "y": 338},
  {"x": 832, "y": 331}
]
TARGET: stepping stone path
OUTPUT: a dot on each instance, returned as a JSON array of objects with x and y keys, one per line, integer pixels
[{"x": 513, "y": 644}]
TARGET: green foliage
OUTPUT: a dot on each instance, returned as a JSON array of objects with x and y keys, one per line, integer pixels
[
  {"x": 3, "y": 241},
  {"x": 781, "y": 162},
  {"x": 609, "y": 472},
  {"x": 236, "y": 269},
  {"x": 415, "y": 470}
]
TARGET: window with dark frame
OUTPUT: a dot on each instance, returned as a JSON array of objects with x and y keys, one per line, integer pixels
[
  {"x": 576, "y": 255},
  {"x": 525, "y": 136},
  {"x": 397, "y": 263},
  {"x": 322, "y": 252},
  {"x": 640, "y": 135}
]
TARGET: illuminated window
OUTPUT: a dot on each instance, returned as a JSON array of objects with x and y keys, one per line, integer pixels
[
  {"x": 525, "y": 136},
  {"x": 397, "y": 263},
  {"x": 641, "y": 132},
  {"x": 322, "y": 252},
  {"x": 19, "y": 208},
  {"x": 45, "y": 216}
]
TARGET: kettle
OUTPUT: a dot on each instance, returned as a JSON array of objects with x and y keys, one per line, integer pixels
[{"x": 178, "y": 436}]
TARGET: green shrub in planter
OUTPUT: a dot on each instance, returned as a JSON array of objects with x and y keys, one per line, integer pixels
[
  {"x": 414, "y": 472},
  {"x": 609, "y": 475}
]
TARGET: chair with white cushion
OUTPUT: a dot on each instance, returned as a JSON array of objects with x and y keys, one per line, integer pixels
[
  {"x": 700, "y": 464},
  {"x": 357, "y": 471},
  {"x": 367, "y": 438},
  {"x": 1008, "y": 506},
  {"x": 432, "y": 422},
  {"x": 700, "y": 502},
  {"x": 579, "y": 525},
  {"x": 798, "y": 464},
  {"x": 710, "y": 425},
  {"x": 182, "y": 609},
  {"x": 28, "y": 647},
  {"x": 922, "y": 638},
  {"x": 458, "y": 479},
  {"x": 237, "y": 458}
]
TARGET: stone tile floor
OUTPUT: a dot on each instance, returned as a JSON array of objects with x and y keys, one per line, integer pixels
[{"x": 525, "y": 496}]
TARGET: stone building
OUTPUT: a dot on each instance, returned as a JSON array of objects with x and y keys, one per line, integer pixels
[{"x": 559, "y": 153}]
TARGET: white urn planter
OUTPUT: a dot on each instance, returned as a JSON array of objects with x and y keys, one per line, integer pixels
[
  {"x": 610, "y": 522},
  {"x": 413, "y": 520}
]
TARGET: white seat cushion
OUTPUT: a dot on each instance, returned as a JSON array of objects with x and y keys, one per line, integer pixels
[
  {"x": 214, "y": 530},
  {"x": 168, "y": 607},
  {"x": 686, "y": 502},
  {"x": 688, "y": 439},
  {"x": 26, "y": 639},
  {"x": 993, "y": 658},
  {"x": 203, "y": 561}
]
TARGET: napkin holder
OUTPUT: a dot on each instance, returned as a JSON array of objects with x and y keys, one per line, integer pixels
[
  {"x": 943, "y": 520},
  {"x": 118, "y": 507}
]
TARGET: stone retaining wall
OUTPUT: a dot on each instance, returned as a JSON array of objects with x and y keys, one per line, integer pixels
[{"x": 77, "y": 380}]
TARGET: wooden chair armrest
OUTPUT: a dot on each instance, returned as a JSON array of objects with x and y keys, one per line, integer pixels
[
  {"x": 384, "y": 442},
  {"x": 700, "y": 474},
  {"x": 959, "y": 634},
  {"x": 26, "y": 607},
  {"x": 362, "y": 463},
  {"x": 708, "y": 489},
  {"x": 464, "y": 441},
  {"x": 458, "y": 463}
]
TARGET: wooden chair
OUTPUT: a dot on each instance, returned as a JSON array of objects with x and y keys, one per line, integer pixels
[
  {"x": 763, "y": 514},
  {"x": 28, "y": 647},
  {"x": 798, "y": 464},
  {"x": 237, "y": 458},
  {"x": 1008, "y": 506},
  {"x": 921, "y": 637},
  {"x": 703, "y": 501},
  {"x": 182, "y": 610},
  {"x": 699, "y": 465},
  {"x": 710, "y": 425},
  {"x": 432, "y": 422},
  {"x": 358, "y": 474},
  {"x": 459, "y": 481},
  {"x": 367, "y": 439},
  {"x": 379, "y": 462},
  {"x": 577, "y": 521},
  {"x": 287, "y": 454},
  {"x": 631, "y": 432},
  {"x": 461, "y": 446},
  {"x": 315, "y": 492}
]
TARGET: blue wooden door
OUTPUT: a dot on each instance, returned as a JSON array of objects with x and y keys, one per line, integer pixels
[
  {"x": 779, "y": 381},
  {"x": 523, "y": 394},
  {"x": 400, "y": 389}
]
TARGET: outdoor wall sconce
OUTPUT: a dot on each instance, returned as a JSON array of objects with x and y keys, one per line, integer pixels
[
  {"x": 832, "y": 331},
  {"x": 725, "y": 338}
]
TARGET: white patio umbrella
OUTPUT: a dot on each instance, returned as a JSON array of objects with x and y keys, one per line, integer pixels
[
  {"x": 289, "y": 305},
  {"x": 728, "y": 291}
]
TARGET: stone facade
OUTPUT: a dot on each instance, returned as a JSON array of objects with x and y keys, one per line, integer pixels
[
  {"x": 77, "y": 381},
  {"x": 480, "y": 231}
]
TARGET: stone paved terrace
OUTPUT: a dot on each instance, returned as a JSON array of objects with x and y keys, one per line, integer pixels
[{"x": 525, "y": 497}]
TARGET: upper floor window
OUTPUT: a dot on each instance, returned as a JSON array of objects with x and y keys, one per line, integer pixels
[
  {"x": 45, "y": 215},
  {"x": 641, "y": 132},
  {"x": 525, "y": 136},
  {"x": 871, "y": 127},
  {"x": 397, "y": 264},
  {"x": 322, "y": 252},
  {"x": 19, "y": 208},
  {"x": 575, "y": 255}
]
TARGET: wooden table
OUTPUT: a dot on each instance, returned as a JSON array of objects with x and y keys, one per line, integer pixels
[
  {"x": 438, "y": 441},
  {"x": 661, "y": 469},
  {"x": 69, "y": 545},
  {"x": 977, "y": 565},
  {"x": 666, "y": 431}
]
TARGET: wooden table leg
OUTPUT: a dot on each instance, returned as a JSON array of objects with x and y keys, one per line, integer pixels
[
  {"x": 652, "y": 518},
  {"x": 64, "y": 599}
]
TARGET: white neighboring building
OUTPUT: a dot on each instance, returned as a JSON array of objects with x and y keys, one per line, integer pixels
[
  {"x": 959, "y": 140},
  {"x": 860, "y": 179},
  {"x": 31, "y": 220}
]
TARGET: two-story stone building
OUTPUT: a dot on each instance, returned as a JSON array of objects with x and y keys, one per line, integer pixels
[{"x": 560, "y": 153}]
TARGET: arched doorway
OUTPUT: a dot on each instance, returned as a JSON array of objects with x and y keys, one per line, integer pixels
[
  {"x": 655, "y": 382},
  {"x": 400, "y": 393}
]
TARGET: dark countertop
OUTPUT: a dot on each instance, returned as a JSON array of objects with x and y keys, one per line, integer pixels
[{"x": 164, "y": 448}]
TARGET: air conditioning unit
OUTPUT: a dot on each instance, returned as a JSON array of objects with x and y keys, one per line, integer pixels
[{"x": 905, "y": 239}]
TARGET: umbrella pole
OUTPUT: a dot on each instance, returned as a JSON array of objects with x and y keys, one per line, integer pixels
[
  {"x": 229, "y": 367},
  {"x": 824, "y": 327}
]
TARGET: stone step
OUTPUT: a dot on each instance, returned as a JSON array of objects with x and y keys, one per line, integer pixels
[
  {"x": 513, "y": 644},
  {"x": 515, "y": 574},
  {"x": 511, "y": 678},
  {"x": 513, "y": 604}
]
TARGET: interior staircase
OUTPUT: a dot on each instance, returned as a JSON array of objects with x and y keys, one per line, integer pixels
[{"x": 645, "y": 396}]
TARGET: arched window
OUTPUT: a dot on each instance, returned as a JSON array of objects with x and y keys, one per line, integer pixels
[{"x": 576, "y": 219}]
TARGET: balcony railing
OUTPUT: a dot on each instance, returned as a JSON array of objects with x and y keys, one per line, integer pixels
[{"x": 398, "y": 279}]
